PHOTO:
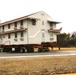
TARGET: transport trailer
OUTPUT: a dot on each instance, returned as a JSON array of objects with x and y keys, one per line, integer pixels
[
  {"x": 43, "y": 47},
  {"x": 24, "y": 34}
]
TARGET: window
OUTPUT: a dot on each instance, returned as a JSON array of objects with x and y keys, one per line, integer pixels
[
  {"x": 51, "y": 24},
  {"x": 21, "y": 34},
  {"x": 43, "y": 35},
  {"x": 42, "y": 22},
  {"x": 21, "y": 22},
  {"x": 15, "y": 24},
  {"x": 15, "y": 35},
  {"x": 2, "y": 27},
  {"x": 8, "y": 36},
  {"x": 33, "y": 22},
  {"x": 8, "y": 26}
]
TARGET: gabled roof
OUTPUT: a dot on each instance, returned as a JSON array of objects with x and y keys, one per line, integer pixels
[
  {"x": 17, "y": 19},
  {"x": 24, "y": 17}
]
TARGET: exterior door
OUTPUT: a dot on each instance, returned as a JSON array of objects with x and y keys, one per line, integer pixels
[{"x": 43, "y": 37}]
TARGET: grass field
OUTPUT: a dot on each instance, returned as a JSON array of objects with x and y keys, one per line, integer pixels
[
  {"x": 38, "y": 65},
  {"x": 64, "y": 48},
  {"x": 69, "y": 74},
  {"x": 61, "y": 49}
]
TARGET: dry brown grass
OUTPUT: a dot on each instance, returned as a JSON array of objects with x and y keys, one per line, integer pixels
[
  {"x": 69, "y": 74},
  {"x": 64, "y": 48},
  {"x": 38, "y": 65},
  {"x": 56, "y": 49}
]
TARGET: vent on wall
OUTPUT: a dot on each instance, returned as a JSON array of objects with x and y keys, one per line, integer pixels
[{"x": 16, "y": 39}]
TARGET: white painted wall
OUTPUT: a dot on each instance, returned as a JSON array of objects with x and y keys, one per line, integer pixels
[
  {"x": 33, "y": 34},
  {"x": 43, "y": 28}
]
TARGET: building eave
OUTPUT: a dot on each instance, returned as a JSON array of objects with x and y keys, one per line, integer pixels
[
  {"x": 13, "y": 31},
  {"x": 52, "y": 21},
  {"x": 55, "y": 30},
  {"x": 18, "y": 19}
]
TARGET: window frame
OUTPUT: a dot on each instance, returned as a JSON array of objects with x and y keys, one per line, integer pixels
[
  {"x": 43, "y": 34},
  {"x": 15, "y": 24},
  {"x": 21, "y": 22},
  {"x": 8, "y": 26},
  {"x": 22, "y": 34},
  {"x": 51, "y": 25},
  {"x": 3, "y": 27},
  {"x": 9, "y": 36},
  {"x": 33, "y": 22},
  {"x": 15, "y": 34}
]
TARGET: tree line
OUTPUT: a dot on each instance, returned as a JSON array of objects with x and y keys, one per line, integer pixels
[{"x": 66, "y": 40}]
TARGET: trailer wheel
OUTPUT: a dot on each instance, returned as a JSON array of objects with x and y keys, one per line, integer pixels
[
  {"x": 40, "y": 50},
  {"x": 46, "y": 49},
  {"x": 21, "y": 50},
  {"x": 30, "y": 49},
  {"x": 10, "y": 50},
  {"x": 1, "y": 49},
  {"x": 43, "y": 49},
  {"x": 6, "y": 49},
  {"x": 25, "y": 50}
]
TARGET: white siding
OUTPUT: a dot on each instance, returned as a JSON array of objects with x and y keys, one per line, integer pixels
[
  {"x": 33, "y": 34},
  {"x": 34, "y": 29}
]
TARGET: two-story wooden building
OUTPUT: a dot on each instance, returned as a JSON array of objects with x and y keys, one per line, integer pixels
[{"x": 34, "y": 29}]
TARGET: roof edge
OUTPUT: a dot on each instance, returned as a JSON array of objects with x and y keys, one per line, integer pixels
[{"x": 17, "y": 19}]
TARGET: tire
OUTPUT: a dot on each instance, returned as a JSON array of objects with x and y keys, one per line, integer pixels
[
  {"x": 1, "y": 49},
  {"x": 46, "y": 49},
  {"x": 30, "y": 49},
  {"x": 40, "y": 50}
]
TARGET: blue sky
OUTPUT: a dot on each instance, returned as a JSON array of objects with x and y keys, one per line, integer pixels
[{"x": 61, "y": 10}]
